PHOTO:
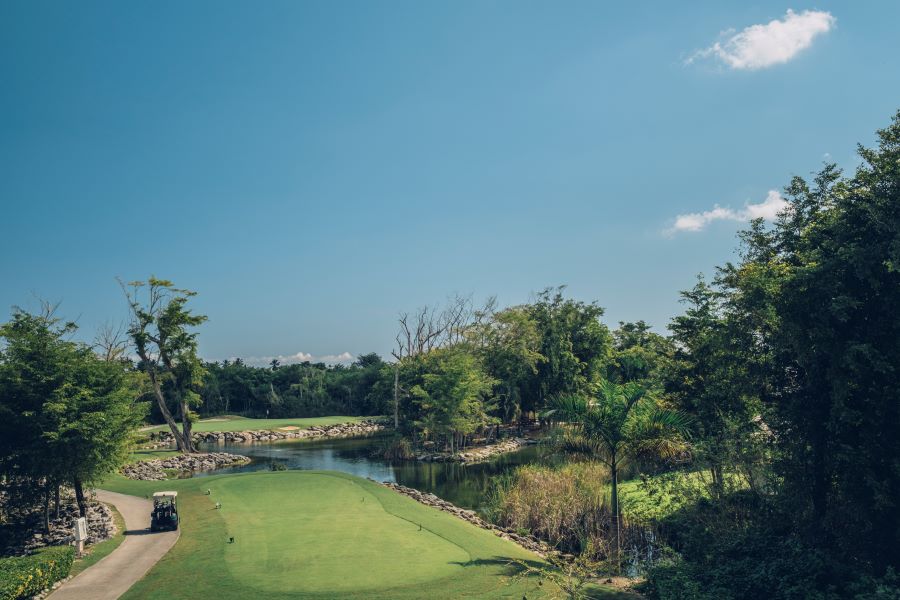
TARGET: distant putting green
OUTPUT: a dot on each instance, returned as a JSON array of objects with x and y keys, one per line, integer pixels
[
  {"x": 321, "y": 534},
  {"x": 231, "y": 423}
]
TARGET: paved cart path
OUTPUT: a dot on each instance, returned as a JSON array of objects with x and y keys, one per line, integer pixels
[{"x": 113, "y": 575}]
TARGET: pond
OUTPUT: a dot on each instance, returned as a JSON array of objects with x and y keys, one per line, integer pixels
[{"x": 464, "y": 485}]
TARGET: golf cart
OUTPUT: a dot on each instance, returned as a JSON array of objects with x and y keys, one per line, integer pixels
[{"x": 165, "y": 512}]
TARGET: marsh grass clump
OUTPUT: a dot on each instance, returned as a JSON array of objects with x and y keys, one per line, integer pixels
[
  {"x": 394, "y": 449},
  {"x": 567, "y": 506}
]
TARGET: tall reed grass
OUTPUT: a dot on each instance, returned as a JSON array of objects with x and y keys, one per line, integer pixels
[{"x": 567, "y": 506}]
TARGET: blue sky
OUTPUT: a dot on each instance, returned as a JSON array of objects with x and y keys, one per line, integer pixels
[{"x": 313, "y": 168}]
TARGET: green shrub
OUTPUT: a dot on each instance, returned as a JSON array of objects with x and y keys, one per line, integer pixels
[
  {"x": 742, "y": 548},
  {"x": 673, "y": 579},
  {"x": 25, "y": 576}
]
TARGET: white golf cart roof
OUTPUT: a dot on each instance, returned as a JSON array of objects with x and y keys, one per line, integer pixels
[{"x": 164, "y": 494}]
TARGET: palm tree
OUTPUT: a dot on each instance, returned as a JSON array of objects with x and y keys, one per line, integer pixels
[{"x": 619, "y": 424}]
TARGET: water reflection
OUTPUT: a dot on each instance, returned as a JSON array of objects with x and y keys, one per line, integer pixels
[{"x": 463, "y": 485}]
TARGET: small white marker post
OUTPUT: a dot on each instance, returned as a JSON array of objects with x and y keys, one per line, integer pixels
[{"x": 80, "y": 534}]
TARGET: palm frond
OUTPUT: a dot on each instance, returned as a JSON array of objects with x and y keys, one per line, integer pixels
[{"x": 566, "y": 408}]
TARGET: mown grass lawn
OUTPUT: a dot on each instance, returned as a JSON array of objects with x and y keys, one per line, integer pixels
[
  {"x": 232, "y": 423},
  {"x": 150, "y": 454},
  {"x": 322, "y": 534}
]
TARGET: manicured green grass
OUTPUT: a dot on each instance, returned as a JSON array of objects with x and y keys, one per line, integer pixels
[
  {"x": 320, "y": 534},
  {"x": 145, "y": 454},
  {"x": 232, "y": 423},
  {"x": 98, "y": 551}
]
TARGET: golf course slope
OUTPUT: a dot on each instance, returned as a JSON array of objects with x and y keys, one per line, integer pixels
[{"x": 322, "y": 534}]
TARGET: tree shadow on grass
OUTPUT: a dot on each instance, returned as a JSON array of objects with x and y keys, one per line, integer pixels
[
  {"x": 510, "y": 567},
  {"x": 514, "y": 576}
]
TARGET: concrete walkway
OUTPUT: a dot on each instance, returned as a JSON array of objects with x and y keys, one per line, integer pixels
[{"x": 113, "y": 575}]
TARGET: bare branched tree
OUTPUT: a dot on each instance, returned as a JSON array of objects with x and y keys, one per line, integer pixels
[
  {"x": 111, "y": 341},
  {"x": 431, "y": 327}
]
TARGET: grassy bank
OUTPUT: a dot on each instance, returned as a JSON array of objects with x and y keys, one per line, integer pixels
[
  {"x": 311, "y": 534},
  {"x": 232, "y": 423}
]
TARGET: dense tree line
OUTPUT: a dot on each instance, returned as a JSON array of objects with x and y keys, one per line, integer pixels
[
  {"x": 788, "y": 363},
  {"x": 305, "y": 389},
  {"x": 502, "y": 366}
]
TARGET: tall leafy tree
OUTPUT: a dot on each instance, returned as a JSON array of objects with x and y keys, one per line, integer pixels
[
  {"x": 509, "y": 345},
  {"x": 575, "y": 344},
  {"x": 161, "y": 331},
  {"x": 66, "y": 415},
  {"x": 811, "y": 307},
  {"x": 452, "y": 395},
  {"x": 708, "y": 380},
  {"x": 639, "y": 354}
]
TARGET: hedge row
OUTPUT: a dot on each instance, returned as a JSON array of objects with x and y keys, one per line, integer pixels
[{"x": 25, "y": 576}]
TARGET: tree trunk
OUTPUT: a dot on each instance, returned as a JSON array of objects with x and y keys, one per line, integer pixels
[
  {"x": 46, "y": 522},
  {"x": 57, "y": 501},
  {"x": 164, "y": 410},
  {"x": 397, "y": 396},
  {"x": 186, "y": 425},
  {"x": 79, "y": 497},
  {"x": 617, "y": 548},
  {"x": 718, "y": 480}
]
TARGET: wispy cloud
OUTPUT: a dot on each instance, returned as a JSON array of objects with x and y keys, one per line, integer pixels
[
  {"x": 768, "y": 209},
  {"x": 776, "y": 42},
  {"x": 300, "y": 357}
]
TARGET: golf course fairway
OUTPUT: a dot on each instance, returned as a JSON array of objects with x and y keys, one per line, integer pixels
[
  {"x": 323, "y": 534},
  {"x": 230, "y": 423}
]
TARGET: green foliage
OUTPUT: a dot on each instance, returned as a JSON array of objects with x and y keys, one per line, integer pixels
[
  {"x": 738, "y": 548},
  {"x": 674, "y": 579},
  {"x": 297, "y": 390},
  {"x": 639, "y": 354},
  {"x": 509, "y": 346},
  {"x": 26, "y": 576},
  {"x": 66, "y": 416},
  {"x": 709, "y": 379},
  {"x": 575, "y": 345},
  {"x": 451, "y": 396},
  {"x": 652, "y": 499},
  {"x": 816, "y": 296},
  {"x": 619, "y": 424},
  {"x": 162, "y": 333},
  {"x": 789, "y": 366}
]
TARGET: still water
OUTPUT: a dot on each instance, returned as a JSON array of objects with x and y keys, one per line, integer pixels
[{"x": 464, "y": 485}]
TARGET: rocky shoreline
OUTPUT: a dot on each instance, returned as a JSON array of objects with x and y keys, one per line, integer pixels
[
  {"x": 477, "y": 453},
  {"x": 155, "y": 469},
  {"x": 339, "y": 430},
  {"x": 470, "y": 516},
  {"x": 100, "y": 527}
]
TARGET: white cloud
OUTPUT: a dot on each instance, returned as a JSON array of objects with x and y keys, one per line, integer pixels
[
  {"x": 300, "y": 357},
  {"x": 768, "y": 209},
  {"x": 776, "y": 42}
]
